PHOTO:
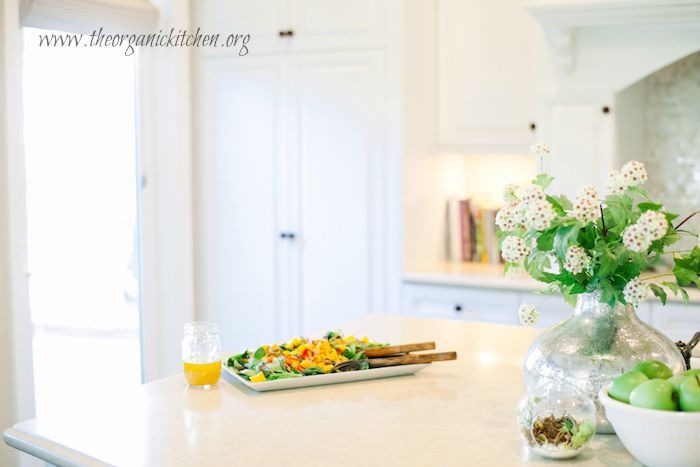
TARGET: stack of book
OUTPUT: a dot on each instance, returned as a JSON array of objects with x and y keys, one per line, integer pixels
[{"x": 470, "y": 233}]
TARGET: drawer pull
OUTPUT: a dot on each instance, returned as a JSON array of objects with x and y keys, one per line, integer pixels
[{"x": 458, "y": 308}]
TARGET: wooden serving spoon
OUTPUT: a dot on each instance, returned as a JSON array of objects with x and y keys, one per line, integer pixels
[{"x": 407, "y": 359}]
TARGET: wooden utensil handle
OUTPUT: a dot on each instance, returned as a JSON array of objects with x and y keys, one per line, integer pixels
[
  {"x": 398, "y": 349},
  {"x": 412, "y": 359}
]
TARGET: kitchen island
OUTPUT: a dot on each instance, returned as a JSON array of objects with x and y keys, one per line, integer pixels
[{"x": 451, "y": 413}]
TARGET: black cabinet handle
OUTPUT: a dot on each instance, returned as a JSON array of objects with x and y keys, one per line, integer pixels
[
  {"x": 289, "y": 235},
  {"x": 287, "y": 33},
  {"x": 458, "y": 308}
]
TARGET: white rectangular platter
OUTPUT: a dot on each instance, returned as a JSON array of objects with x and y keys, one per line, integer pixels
[{"x": 329, "y": 378}]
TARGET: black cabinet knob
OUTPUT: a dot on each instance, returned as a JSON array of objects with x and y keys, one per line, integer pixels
[
  {"x": 291, "y": 235},
  {"x": 283, "y": 234},
  {"x": 458, "y": 308},
  {"x": 533, "y": 126}
]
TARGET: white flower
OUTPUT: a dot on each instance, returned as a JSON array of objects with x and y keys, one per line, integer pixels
[
  {"x": 654, "y": 223},
  {"x": 514, "y": 249},
  {"x": 634, "y": 173},
  {"x": 616, "y": 183},
  {"x": 510, "y": 194},
  {"x": 635, "y": 292},
  {"x": 586, "y": 208},
  {"x": 539, "y": 215},
  {"x": 539, "y": 150},
  {"x": 527, "y": 314},
  {"x": 577, "y": 260},
  {"x": 635, "y": 238},
  {"x": 533, "y": 193},
  {"x": 507, "y": 218}
]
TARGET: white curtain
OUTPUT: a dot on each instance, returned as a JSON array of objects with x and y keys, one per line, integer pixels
[{"x": 85, "y": 16}]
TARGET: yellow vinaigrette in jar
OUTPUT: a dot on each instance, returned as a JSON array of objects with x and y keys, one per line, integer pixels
[{"x": 202, "y": 374}]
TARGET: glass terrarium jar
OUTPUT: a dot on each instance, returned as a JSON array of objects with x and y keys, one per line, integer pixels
[
  {"x": 556, "y": 420},
  {"x": 594, "y": 345}
]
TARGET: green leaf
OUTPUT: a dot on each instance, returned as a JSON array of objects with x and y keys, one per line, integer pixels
[
  {"x": 565, "y": 236},
  {"x": 684, "y": 276},
  {"x": 638, "y": 190},
  {"x": 260, "y": 353},
  {"x": 659, "y": 292},
  {"x": 670, "y": 216},
  {"x": 672, "y": 286},
  {"x": 606, "y": 259},
  {"x": 545, "y": 241},
  {"x": 562, "y": 201},
  {"x": 543, "y": 180},
  {"x": 649, "y": 207},
  {"x": 686, "y": 298}
]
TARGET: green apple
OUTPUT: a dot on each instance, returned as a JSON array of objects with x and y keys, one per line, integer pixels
[
  {"x": 677, "y": 381},
  {"x": 689, "y": 395},
  {"x": 694, "y": 371},
  {"x": 654, "y": 369},
  {"x": 654, "y": 394},
  {"x": 623, "y": 385}
]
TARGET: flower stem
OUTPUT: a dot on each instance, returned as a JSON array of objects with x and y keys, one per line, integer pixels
[
  {"x": 602, "y": 218},
  {"x": 657, "y": 276},
  {"x": 686, "y": 219}
]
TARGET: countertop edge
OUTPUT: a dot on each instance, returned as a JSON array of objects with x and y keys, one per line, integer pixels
[
  {"x": 48, "y": 451},
  {"x": 508, "y": 284}
]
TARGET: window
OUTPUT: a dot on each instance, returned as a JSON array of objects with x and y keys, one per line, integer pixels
[{"x": 82, "y": 214}]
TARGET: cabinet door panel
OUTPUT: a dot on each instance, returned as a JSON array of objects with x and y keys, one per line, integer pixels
[
  {"x": 337, "y": 152},
  {"x": 337, "y": 24},
  {"x": 237, "y": 159},
  {"x": 262, "y": 19},
  {"x": 485, "y": 84}
]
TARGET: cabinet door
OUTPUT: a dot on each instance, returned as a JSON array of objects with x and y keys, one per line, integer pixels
[
  {"x": 485, "y": 82},
  {"x": 337, "y": 24},
  {"x": 337, "y": 164},
  {"x": 262, "y": 19},
  {"x": 237, "y": 160}
]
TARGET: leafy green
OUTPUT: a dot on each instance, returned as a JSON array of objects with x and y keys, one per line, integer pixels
[
  {"x": 260, "y": 353},
  {"x": 543, "y": 180}
]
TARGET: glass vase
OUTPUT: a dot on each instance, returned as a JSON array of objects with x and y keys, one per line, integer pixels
[{"x": 595, "y": 344}]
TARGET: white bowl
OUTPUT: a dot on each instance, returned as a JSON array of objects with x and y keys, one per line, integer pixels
[{"x": 655, "y": 437}]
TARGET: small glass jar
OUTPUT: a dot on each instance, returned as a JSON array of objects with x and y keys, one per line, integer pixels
[
  {"x": 201, "y": 354},
  {"x": 556, "y": 420}
]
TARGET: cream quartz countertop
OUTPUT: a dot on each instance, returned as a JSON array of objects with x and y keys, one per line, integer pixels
[
  {"x": 481, "y": 275},
  {"x": 451, "y": 413}
]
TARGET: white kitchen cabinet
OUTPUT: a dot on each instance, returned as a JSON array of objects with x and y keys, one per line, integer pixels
[
  {"x": 336, "y": 165},
  {"x": 294, "y": 26},
  {"x": 677, "y": 320},
  {"x": 470, "y": 304},
  {"x": 485, "y": 76},
  {"x": 240, "y": 149},
  {"x": 291, "y": 181},
  {"x": 500, "y": 305}
]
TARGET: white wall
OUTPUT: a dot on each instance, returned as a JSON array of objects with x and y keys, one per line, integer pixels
[
  {"x": 166, "y": 200},
  {"x": 421, "y": 196},
  {"x": 17, "y": 389}
]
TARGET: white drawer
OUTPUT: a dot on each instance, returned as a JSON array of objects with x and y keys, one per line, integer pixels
[{"x": 464, "y": 303}]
